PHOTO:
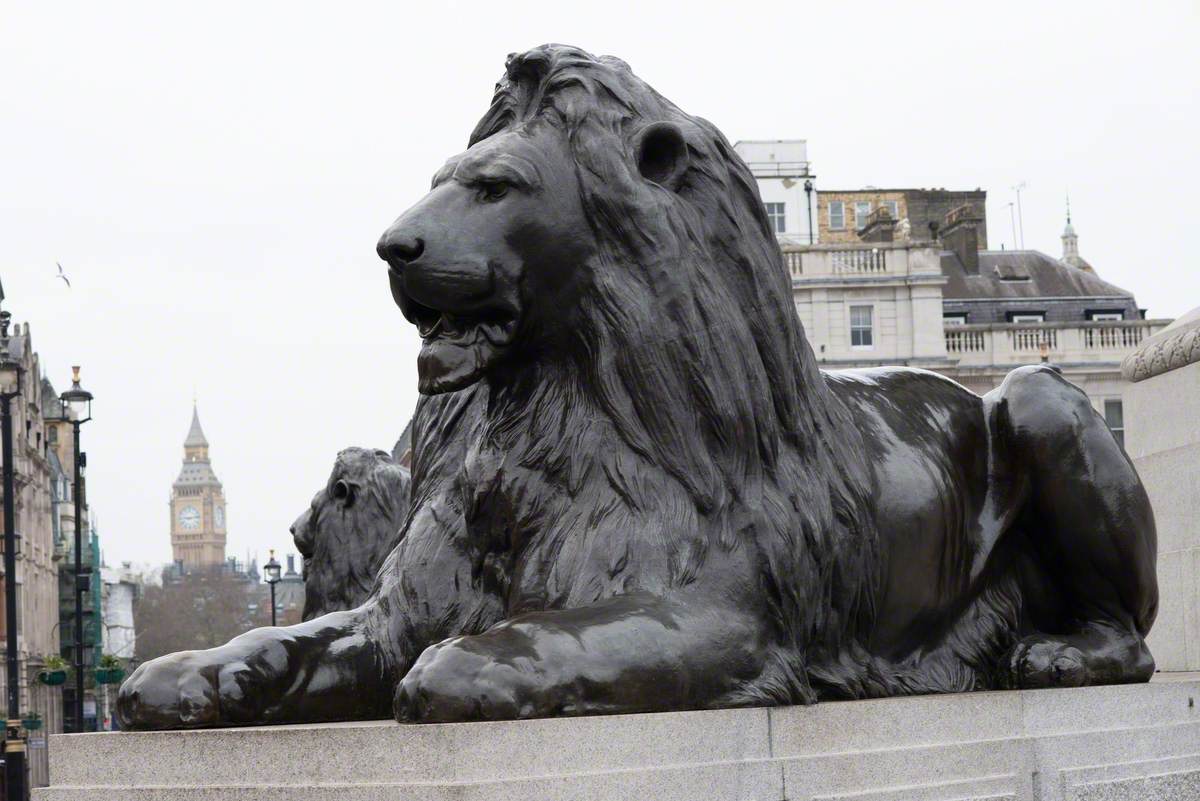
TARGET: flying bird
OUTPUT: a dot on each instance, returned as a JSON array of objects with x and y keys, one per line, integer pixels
[{"x": 63, "y": 276}]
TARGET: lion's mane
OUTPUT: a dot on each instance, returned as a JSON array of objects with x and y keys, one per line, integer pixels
[{"x": 690, "y": 348}]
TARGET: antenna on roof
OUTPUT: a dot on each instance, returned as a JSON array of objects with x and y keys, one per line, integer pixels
[{"x": 1020, "y": 216}]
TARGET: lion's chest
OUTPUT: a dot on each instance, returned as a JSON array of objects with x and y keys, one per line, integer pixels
[{"x": 541, "y": 543}]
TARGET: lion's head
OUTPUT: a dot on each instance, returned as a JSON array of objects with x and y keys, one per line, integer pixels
[
  {"x": 349, "y": 529},
  {"x": 595, "y": 232}
]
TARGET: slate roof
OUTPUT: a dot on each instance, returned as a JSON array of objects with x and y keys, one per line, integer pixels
[
  {"x": 1047, "y": 278},
  {"x": 195, "y": 437},
  {"x": 51, "y": 405}
]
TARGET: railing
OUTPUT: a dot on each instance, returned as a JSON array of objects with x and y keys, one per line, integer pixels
[
  {"x": 779, "y": 169},
  {"x": 794, "y": 261},
  {"x": 1113, "y": 337},
  {"x": 1026, "y": 343},
  {"x": 856, "y": 260},
  {"x": 866, "y": 260},
  {"x": 964, "y": 341},
  {"x": 1033, "y": 338}
]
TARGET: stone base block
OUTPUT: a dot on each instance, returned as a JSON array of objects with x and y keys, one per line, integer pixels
[{"x": 1090, "y": 744}]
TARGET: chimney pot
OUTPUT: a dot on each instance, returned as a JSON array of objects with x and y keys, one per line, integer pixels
[{"x": 960, "y": 234}]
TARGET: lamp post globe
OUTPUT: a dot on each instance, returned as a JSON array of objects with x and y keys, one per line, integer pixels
[
  {"x": 77, "y": 407},
  {"x": 273, "y": 570}
]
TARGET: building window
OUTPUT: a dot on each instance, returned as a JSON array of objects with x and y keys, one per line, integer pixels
[
  {"x": 954, "y": 319},
  {"x": 837, "y": 215},
  {"x": 862, "y": 211},
  {"x": 893, "y": 207},
  {"x": 1114, "y": 415},
  {"x": 1097, "y": 316},
  {"x": 1028, "y": 317},
  {"x": 860, "y": 327},
  {"x": 775, "y": 215}
]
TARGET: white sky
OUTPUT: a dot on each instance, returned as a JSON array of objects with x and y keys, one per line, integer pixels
[{"x": 214, "y": 180}]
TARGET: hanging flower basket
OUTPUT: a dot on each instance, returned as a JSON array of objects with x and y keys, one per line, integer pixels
[
  {"x": 109, "y": 675},
  {"x": 32, "y": 723},
  {"x": 53, "y": 678}
]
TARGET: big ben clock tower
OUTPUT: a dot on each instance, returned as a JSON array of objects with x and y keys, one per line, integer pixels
[{"x": 197, "y": 506}]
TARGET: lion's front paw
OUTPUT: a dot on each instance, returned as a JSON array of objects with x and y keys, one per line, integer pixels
[
  {"x": 1037, "y": 662},
  {"x": 451, "y": 683},
  {"x": 185, "y": 690}
]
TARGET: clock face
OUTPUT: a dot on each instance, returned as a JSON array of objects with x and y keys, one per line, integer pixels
[
  {"x": 189, "y": 517},
  {"x": 220, "y": 516}
]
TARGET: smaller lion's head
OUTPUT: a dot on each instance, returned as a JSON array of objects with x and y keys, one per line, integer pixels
[{"x": 349, "y": 529}]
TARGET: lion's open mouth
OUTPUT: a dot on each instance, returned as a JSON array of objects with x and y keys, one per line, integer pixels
[{"x": 457, "y": 348}]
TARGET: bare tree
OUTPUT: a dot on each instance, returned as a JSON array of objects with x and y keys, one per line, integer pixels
[{"x": 201, "y": 609}]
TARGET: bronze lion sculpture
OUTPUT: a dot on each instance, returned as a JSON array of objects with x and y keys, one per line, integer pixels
[
  {"x": 634, "y": 490},
  {"x": 350, "y": 527}
]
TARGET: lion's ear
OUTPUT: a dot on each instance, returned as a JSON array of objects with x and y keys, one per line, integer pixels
[{"x": 662, "y": 154}]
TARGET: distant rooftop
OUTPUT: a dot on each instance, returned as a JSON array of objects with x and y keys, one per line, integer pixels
[
  {"x": 1022, "y": 274},
  {"x": 775, "y": 158}
]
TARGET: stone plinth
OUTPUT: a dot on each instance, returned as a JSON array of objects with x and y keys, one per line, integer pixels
[
  {"x": 1132, "y": 742},
  {"x": 1162, "y": 436}
]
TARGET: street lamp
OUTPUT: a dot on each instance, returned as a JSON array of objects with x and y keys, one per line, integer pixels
[
  {"x": 272, "y": 568},
  {"x": 78, "y": 402},
  {"x": 14, "y": 747},
  {"x": 808, "y": 190}
]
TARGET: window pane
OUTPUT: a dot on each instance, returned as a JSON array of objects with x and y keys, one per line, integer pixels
[
  {"x": 893, "y": 208},
  {"x": 861, "y": 212},
  {"x": 1114, "y": 414},
  {"x": 776, "y": 217},
  {"x": 860, "y": 326},
  {"x": 837, "y": 214}
]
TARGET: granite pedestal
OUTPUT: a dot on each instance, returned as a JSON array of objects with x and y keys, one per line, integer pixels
[
  {"x": 1162, "y": 436},
  {"x": 1090, "y": 744}
]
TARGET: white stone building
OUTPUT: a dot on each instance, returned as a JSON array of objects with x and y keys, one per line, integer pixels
[
  {"x": 970, "y": 314},
  {"x": 785, "y": 182}
]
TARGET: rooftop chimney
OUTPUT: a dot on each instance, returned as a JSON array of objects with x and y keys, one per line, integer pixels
[
  {"x": 880, "y": 227},
  {"x": 960, "y": 234},
  {"x": 291, "y": 568}
]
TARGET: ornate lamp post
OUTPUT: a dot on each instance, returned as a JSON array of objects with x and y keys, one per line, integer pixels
[
  {"x": 79, "y": 401},
  {"x": 272, "y": 569},
  {"x": 14, "y": 744}
]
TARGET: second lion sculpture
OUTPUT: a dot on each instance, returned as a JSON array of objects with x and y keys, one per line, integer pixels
[
  {"x": 634, "y": 490},
  {"x": 349, "y": 528}
]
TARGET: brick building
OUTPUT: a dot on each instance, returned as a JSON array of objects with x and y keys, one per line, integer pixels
[{"x": 843, "y": 214}]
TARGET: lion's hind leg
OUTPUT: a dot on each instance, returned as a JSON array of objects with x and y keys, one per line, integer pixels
[{"x": 1091, "y": 531}]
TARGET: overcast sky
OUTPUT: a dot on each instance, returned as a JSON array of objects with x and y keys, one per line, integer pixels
[{"x": 214, "y": 178}]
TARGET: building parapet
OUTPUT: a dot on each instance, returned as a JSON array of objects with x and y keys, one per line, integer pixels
[
  {"x": 855, "y": 259},
  {"x": 1024, "y": 343}
]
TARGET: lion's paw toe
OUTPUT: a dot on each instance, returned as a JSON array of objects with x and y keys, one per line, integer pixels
[{"x": 1038, "y": 663}]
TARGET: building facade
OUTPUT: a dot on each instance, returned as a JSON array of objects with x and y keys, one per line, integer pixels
[
  {"x": 197, "y": 506},
  {"x": 970, "y": 313},
  {"x": 785, "y": 181},
  {"x": 918, "y": 213},
  {"x": 37, "y": 478}
]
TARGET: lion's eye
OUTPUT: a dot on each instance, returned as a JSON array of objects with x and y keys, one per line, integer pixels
[
  {"x": 492, "y": 191},
  {"x": 342, "y": 490}
]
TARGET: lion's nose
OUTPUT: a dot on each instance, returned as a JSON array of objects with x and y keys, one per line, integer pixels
[{"x": 396, "y": 247}]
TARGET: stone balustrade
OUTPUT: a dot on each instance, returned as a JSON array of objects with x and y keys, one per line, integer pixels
[
  {"x": 1024, "y": 343},
  {"x": 876, "y": 259}
]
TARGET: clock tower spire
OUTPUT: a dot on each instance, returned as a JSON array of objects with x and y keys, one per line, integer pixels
[{"x": 197, "y": 505}]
